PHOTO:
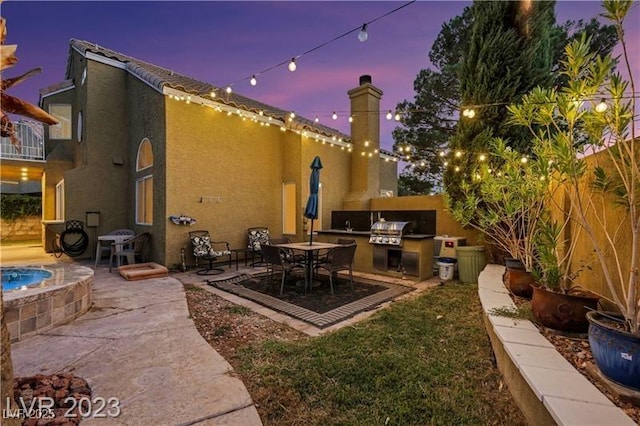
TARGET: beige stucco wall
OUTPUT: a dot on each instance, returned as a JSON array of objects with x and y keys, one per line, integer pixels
[
  {"x": 584, "y": 260},
  {"x": 227, "y": 173}
]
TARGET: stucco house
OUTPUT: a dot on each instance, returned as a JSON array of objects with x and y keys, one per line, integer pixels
[{"x": 139, "y": 143}]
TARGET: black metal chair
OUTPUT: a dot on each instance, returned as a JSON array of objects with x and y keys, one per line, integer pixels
[
  {"x": 204, "y": 248},
  {"x": 339, "y": 259},
  {"x": 131, "y": 249},
  {"x": 274, "y": 258}
]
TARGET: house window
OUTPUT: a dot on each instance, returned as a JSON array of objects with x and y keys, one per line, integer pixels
[
  {"x": 60, "y": 200},
  {"x": 289, "y": 208},
  {"x": 62, "y": 130},
  {"x": 144, "y": 184},
  {"x": 145, "y": 155},
  {"x": 144, "y": 200}
]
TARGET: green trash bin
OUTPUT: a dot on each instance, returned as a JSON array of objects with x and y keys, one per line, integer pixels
[{"x": 471, "y": 261}]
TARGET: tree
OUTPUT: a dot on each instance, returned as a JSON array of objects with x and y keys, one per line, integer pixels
[
  {"x": 432, "y": 117},
  {"x": 509, "y": 53},
  {"x": 429, "y": 121}
]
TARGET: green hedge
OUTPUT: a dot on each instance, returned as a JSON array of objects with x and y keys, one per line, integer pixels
[{"x": 14, "y": 206}]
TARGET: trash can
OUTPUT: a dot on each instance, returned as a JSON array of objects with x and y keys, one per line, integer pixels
[
  {"x": 446, "y": 265},
  {"x": 471, "y": 261}
]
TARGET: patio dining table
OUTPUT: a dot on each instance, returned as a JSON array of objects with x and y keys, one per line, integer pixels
[
  {"x": 114, "y": 238},
  {"x": 308, "y": 249}
]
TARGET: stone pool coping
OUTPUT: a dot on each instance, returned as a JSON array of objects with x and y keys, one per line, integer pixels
[
  {"x": 545, "y": 386},
  {"x": 62, "y": 298}
]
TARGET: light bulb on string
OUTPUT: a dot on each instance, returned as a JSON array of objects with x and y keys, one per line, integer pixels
[
  {"x": 317, "y": 120},
  {"x": 292, "y": 65},
  {"x": 442, "y": 154},
  {"x": 292, "y": 115},
  {"x": 253, "y": 80},
  {"x": 389, "y": 115},
  {"x": 351, "y": 119},
  {"x": 212, "y": 94},
  {"x": 602, "y": 106},
  {"x": 334, "y": 115},
  {"x": 229, "y": 89},
  {"x": 397, "y": 117},
  {"x": 482, "y": 157},
  {"x": 458, "y": 154},
  {"x": 469, "y": 113},
  {"x": 363, "y": 35}
]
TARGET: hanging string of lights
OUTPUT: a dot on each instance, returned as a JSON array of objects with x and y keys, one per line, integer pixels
[{"x": 292, "y": 64}]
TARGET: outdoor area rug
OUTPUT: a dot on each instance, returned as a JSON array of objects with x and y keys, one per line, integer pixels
[{"x": 318, "y": 307}]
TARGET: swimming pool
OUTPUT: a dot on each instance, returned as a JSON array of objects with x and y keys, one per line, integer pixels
[
  {"x": 23, "y": 278},
  {"x": 44, "y": 298}
]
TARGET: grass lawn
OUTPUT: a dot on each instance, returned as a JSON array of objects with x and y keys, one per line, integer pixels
[{"x": 423, "y": 361}]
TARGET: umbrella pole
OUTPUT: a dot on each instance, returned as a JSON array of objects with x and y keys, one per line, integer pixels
[{"x": 311, "y": 235}]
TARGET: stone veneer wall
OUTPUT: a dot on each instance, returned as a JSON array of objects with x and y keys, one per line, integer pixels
[
  {"x": 29, "y": 228},
  {"x": 33, "y": 314}
]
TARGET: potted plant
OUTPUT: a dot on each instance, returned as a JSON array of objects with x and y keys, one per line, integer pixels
[
  {"x": 504, "y": 203},
  {"x": 604, "y": 188},
  {"x": 556, "y": 302}
]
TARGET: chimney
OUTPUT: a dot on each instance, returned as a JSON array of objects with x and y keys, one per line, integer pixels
[{"x": 365, "y": 137}]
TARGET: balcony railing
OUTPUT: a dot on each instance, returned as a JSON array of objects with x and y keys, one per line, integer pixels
[{"x": 31, "y": 136}]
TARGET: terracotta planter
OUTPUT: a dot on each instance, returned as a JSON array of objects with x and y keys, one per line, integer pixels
[
  {"x": 564, "y": 312},
  {"x": 512, "y": 263},
  {"x": 615, "y": 351},
  {"x": 519, "y": 282}
]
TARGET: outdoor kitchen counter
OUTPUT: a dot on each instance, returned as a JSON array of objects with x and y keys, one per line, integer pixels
[{"x": 420, "y": 246}]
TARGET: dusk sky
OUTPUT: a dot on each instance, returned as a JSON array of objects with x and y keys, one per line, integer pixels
[{"x": 224, "y": 42}]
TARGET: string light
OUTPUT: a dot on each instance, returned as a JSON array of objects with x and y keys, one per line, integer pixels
[
  {"x": 334, "y": 115},
  {"x": 317, "y": 120},
  {"x": 363, "y": 35},
  {"x": 389, "y": 115},
  {"x": 212, "y": 94},
  {"x": 229, "y": 89},
  {"x": 602, "y": 106},
  {"x": 397, "y": 117},
  {"x": 350, "y": 119},
  {"x": 292, "y": 65},
  {"x": 482, "y": 157},
  {"x": 253, "y": 80}
]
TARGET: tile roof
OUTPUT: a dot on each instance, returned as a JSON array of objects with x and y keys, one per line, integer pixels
[{"x": 159, "y": 78}]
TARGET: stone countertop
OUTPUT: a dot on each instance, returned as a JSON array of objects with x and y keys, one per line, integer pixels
[{"x": 368, "y": 233}]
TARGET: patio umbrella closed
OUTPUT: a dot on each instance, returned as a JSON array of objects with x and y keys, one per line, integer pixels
[{"x": 311, "y": 211}]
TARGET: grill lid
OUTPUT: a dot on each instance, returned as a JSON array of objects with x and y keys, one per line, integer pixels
[{"x": 390, "y": 227}]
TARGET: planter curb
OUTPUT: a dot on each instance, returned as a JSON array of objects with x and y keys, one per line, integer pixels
[{"x": 545, "y": 386}]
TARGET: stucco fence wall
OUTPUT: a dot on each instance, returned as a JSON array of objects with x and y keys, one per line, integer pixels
[{"x": 29, "y": 228}]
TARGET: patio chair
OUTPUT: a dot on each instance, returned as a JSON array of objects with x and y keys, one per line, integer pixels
[
  {"x": 273, "y": 258},
  {"x": 321, "y": 255},
  {"x": 339, "y": 259},
  {"x": 257, "y": 236},
  {"x": 204, "y": 248},
  {"x": 287, "y": 254},
  {"x": 105, "y": 246},
  {"x": 130, "y": 249}
]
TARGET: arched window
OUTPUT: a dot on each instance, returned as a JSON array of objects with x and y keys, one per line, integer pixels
[
  {"x": 145, "y": 155},
  {"x": 144, "y": 184}
]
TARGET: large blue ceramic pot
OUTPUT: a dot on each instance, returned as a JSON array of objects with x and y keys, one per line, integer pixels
[{"x": 616, "y": 352}]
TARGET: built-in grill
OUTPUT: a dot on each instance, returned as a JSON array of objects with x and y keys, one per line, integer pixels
[{"x": 389, "y": 233}]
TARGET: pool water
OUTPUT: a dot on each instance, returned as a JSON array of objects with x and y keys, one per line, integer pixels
[{"x": 17, "y": 278}]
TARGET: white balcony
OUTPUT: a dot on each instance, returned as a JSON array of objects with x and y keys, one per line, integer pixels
[{"x": 31, "y": 135}]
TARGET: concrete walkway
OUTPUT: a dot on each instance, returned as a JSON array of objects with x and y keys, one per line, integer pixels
[{"x": 138, "y": 345}]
